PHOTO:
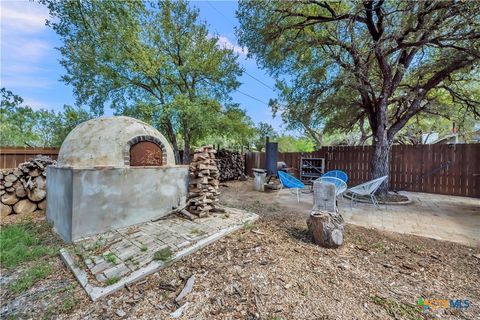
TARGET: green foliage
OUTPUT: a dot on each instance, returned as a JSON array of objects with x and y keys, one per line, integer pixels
[
  {"x": 153, "y": 60},
  {"x": 262, "y": 131},
  {"x": 110, "y": 257},
  {"x": 16, "y": 121},
  {"x": 163, "y": 254},
  {"x": 25, "y": 242},
  {"x": 68, "y": 119},
  {"x": 23, "y": 126},
  {"x": 29, "y": 277},
  {"x": 291, "y": 144},
  {"x": 112, "y": 280},
  {"x": 68, "y": 305},
  {"x": 233, "y": 129},
  {"x": 339, "y": 64}
]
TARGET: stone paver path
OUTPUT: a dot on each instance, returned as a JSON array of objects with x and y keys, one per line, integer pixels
[
  {"x": 106, "y": 262},
  {"x": 441, "y": 217}
]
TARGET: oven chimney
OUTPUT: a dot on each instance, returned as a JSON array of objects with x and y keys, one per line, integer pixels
[{"x": 271, "y": 157}]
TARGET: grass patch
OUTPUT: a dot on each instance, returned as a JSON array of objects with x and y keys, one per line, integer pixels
[
  {"x": 27, "y": 279},
  {"x": 24, "y": 242},
  {"x": 68, "y": 305},
  {"x": 163, "y": 254},
  {"x": 198, "y": 232},
  {"x": 110, "y": 257},
  {"x": 397, "y": 309},
  {"x": 248, "y": 226},
  {"x": 144, "y": 248},
  {"x": 380, "y": 247},
  {"x": 112, "y": 280}
]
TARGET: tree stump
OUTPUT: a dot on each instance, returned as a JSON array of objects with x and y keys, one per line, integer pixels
[{"x": 326, "y": 228}]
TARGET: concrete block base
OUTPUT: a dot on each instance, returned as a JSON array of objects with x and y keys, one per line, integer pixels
[{"x": 82, "y": 202}]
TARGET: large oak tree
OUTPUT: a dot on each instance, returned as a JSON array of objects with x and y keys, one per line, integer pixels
[
  {"x": 155, "y": 59},
  {"x": 394, "y": 56}
]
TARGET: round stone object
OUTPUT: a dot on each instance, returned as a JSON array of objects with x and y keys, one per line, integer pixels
[{"x": 106, "y": 142}]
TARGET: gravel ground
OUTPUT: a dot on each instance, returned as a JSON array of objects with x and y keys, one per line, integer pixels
[{"x": 273, "y": 271}]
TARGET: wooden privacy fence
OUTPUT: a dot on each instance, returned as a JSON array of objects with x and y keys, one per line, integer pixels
[
  {"x": 11, "y": 157},
  {"x": 443, "y": 169}
]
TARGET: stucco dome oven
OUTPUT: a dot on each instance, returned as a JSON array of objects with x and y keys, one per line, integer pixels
[
  {"x": 108, "y": 142},
  {"x": 112, "y": 172}
]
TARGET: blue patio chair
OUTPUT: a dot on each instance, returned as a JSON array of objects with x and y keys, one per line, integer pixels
[
  {"x": 290, "y": 182},
  {"x": 337, "y": 174}
]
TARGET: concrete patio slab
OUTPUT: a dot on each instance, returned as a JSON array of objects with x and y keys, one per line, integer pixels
[
  {"x": 108, "y": 262},
  {"x": 441, "y": 217}
]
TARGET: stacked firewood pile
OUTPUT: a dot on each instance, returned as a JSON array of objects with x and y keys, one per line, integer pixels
[
  {"x": 203, "y": 187},
  {"x": 231, "y": 165},
  {"x": 24, "y": 189}
]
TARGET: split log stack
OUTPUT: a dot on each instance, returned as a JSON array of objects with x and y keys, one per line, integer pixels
[
  {"x": 231, "y": 165},
  {"x": 203, "y": 189},
  {"x": 24, "y": 189}
]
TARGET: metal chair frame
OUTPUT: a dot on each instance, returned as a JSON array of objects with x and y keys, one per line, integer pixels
[
  {"x": 367, "y": 189},
  {"x": 336, "y": 174}
]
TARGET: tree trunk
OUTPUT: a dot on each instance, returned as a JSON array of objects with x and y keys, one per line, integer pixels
[
  {"x": 186, "y": 149},
  {"x": 380, "y": 163},
  {"x": 316, "y": 136},
  {"x": 172, "y": 137}
]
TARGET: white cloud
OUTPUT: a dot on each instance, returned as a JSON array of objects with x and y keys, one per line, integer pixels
[
  {"x": 36, "y": 104},
  {"x": 25, "y": 80},
  {"x": 224, "y": 42},
  {"x": 25, "y": 49},
  {"x": 25, "y": 45},
  {"x": 22, "y": 68},
  {"x": 22, "y": 17}
]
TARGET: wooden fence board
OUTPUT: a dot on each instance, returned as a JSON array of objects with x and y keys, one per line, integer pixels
[
  {"x": 443, "y": 169},
  {"x": 11, "y": 157}
]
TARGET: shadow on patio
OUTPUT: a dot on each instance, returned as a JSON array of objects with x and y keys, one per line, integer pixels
[{"x": 441, "y": 217}]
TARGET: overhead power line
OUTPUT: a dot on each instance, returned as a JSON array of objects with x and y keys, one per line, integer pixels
[
  {"x": 252, "y": 97},
  {"x": 228, "y": 20},
  {"x": 211, "y": 5},
  {"x": 260, "y": 81},
  {"x": 266, "y": 85}
]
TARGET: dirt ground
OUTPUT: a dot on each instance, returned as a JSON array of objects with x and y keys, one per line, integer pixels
[{"x": 272, "y": 270}]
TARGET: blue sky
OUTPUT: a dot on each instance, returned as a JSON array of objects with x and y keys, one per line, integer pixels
[{"x": 30, "y": 67}]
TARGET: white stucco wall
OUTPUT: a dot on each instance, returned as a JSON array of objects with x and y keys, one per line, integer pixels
[{"x": 85, "y": 202}]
